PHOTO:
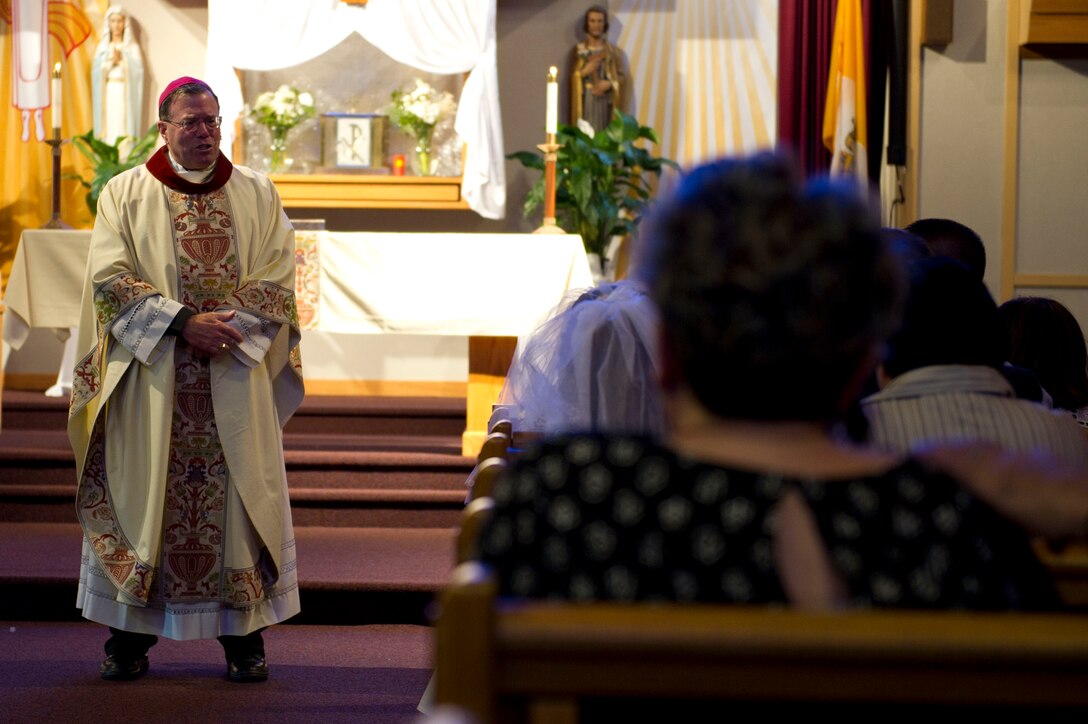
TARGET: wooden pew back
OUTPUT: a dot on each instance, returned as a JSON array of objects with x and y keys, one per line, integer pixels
[{"x": 537, "y": 661}]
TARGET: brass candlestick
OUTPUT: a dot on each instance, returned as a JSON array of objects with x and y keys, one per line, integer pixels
[
  {"x": 550, "y": 149},
  {"x": 56, "y": 142}
]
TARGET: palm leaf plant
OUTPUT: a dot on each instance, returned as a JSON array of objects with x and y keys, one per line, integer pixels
[
  {"x": 107, "y": 161},
  {"x": 603, "y": 180}
]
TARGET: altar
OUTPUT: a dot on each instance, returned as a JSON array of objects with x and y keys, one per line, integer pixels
[{"x": 490, "y": 288}]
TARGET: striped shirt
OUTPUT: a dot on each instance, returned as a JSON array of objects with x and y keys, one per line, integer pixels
[{"x": 950, "y": 403}]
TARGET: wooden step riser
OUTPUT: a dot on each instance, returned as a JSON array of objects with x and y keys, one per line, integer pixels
[
  {"x": 363, "y": 425},
  {"x": 325, "y": 425},
  {"x": 352, "y": 514},
  {"x": 21, "y": 478},
  {"x": 366, "y": 423}
]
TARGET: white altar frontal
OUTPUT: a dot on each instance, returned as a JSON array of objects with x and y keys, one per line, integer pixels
[{"x": 372, "y": 306}]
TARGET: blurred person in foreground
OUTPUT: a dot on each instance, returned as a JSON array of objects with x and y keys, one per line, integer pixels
[{"x": 775, "y": 298}]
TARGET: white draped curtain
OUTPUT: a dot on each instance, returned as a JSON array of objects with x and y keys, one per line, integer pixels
[{"x": 436, "y": 36}]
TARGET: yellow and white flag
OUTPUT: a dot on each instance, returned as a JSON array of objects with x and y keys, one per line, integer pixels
[{"x": 845, "y": 133}]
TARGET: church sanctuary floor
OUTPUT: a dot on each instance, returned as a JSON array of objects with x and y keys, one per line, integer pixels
[
  {"x": 372, "y": 674},
  {"x": 377, "y": 486}
]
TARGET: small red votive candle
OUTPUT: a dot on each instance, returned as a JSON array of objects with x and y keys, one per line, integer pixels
[{"x": 398, "y": 164}]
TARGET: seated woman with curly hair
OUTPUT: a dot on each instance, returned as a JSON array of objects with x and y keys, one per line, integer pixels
[{"x": 775, "y": 298}]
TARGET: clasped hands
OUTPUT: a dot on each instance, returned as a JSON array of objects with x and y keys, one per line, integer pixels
[{"x": 210, "y": 333}]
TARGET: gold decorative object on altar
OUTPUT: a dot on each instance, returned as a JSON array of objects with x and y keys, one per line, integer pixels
[
  {"x": 550, "y": 149},
  {"x": 55, "y": 222},
  {"x": 353, "y": 142}
]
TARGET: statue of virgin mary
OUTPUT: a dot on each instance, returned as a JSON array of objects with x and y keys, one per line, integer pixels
[{"x": 117, "y": 80}]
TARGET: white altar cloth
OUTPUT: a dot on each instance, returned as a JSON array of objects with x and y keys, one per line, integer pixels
[
  {"x": 46, "y": 283},
  {"x": 370, "y": 283},
  {"x": 445, "y": 284}
]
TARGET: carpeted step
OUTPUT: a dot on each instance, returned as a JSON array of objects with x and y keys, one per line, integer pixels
[
  {"x": 376, "y": 470},
  {"x": 377, "y": 489},
  {"x": 331, "y": 415},
  {"x": 440, "y": 444},
  {"x": 340, "y": 478},
  {"x": 397, "y": 487},
  {"x": 346, "y": 575},
  {"x": 389, "y": 508},
  {"x": 318, "y": 415},
  {"x": 53, "y": 445},
  {"x": 35, "y": 457},
  {"x": 32, "y": 410}
]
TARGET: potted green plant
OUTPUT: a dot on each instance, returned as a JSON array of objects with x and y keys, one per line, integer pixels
[
  {"x": 603, "y": 179},
  {"x": 107, "y": 159}
]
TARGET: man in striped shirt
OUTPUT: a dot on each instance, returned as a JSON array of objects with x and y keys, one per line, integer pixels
[{"x": 941, "y": 379}]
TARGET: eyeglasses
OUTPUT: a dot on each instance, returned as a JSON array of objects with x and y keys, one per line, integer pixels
[{"x": 190, "y": 124}]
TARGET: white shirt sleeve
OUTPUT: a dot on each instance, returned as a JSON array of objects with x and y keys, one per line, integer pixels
[{"x": 142, "y": 331}]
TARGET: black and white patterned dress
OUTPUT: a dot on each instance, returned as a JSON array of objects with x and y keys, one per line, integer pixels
[{"x": 620, "y": 518}]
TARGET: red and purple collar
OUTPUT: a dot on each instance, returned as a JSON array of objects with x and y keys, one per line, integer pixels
[{"x": 159, "y": 166}]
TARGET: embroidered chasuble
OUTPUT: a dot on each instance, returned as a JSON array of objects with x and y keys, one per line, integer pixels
[{"x": 182, "y": 493}]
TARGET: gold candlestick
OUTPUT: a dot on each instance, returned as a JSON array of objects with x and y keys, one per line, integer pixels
[
  {"x": 550, "y": 149},
  {"x": 56, "y": 142}
]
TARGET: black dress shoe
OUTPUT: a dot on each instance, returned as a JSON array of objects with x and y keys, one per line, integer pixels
[
  {"x": 116, "y": 668},
  {"x": 248, "y": 669}
]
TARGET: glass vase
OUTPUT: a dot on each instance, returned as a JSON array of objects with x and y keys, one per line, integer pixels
[
  {"x": 423, "y": 154},
  {"x": 278, "y": 163}
]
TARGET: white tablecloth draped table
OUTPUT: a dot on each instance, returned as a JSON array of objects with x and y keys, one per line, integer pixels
[
  {"x": 459, "y": 284},
  {"x": 46, "y": 283}
]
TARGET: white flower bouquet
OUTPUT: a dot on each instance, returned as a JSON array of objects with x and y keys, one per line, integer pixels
[
  {"x": 281, "y": 110},
  {"x": 416, "y": 112},
  {"x": 284, "y": 108}
]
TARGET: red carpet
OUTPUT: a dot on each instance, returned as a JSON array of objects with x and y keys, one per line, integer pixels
[
  {"x": 377, "y": 486},
  {"x": 372, "y": 674}
]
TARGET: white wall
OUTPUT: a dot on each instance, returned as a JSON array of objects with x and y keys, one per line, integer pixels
[
  {"x": 173, "y": 35},
  {"x": 960, "y": 161},
  {"x": 961, "y": 149}
]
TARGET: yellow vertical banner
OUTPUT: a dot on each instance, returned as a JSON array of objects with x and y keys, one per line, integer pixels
[
  {"x": 845, "y": 131},
  {"x": 26, "y": 174}
]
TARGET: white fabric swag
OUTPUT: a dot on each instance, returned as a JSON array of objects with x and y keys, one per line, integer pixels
[{"x": 436, "y": 36}]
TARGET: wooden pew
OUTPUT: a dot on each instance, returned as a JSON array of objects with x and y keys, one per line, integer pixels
[
  {"x": 536, "y": 661},
  {"x": 495, "y": 445},
  {"x": 473, "y": 519},
  {"x": 1069, "y": 567},
  {"x": 504, "y": 426},
  {"x": 481, "y": 482}
]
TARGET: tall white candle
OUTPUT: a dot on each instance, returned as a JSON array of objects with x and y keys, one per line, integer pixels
[
  {"x": 551, "y": 118},
  {"x": 56, "y": 96}
]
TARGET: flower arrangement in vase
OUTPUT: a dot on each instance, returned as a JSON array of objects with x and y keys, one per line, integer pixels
[
  {"x": 281, "y": 110},
  {"x": 416, "y": 112}
]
